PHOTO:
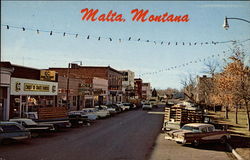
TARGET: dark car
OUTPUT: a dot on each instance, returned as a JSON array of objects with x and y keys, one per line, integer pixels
[{"x": 12, "y": 131}]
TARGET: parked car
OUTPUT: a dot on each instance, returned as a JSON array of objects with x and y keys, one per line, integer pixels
[
  {"x": 12, "y": 131},
  {"x": 117, "y": 108},
  {"x": 122, "y": 106},
  {"x": 126, "y": 106},
  {"x": 112, "y": 111},
  {"x": 101, "y": 112},
  {"x": 32, "y": 126},
  {"x": 197, "y": 133},
  {"x": 90, "y": 113},
  {"x": 132, "y": 106},
  {"x": 153, "y": 102},
  {"x": 147, "y": 106},
  {"x": 143, "y": 102},
  {"x": 77, "y": 118}
]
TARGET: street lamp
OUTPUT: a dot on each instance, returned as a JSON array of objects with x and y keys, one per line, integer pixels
[
  {"x": 67, "y": 86},
  {"x": 226, "y": 26}
]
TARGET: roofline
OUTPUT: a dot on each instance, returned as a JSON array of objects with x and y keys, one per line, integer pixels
[{"x": 108, "y": 67}]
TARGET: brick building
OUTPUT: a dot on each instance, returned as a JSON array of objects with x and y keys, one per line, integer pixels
[
  {"x": 138, "y": 88},
  {"x": 113, "y": 76}
]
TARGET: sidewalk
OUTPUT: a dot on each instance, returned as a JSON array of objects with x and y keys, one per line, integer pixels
[{"x": 169, "y": 150}]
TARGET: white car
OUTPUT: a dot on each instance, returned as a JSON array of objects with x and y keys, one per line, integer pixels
[
  {"x": 101, "y": 112},
  {"x": 111, "y": 110},
  {"x": 147, "y": 106},
  {"x": 125, "y": 106},
  {"x": 121, "y": 106},
  {"x": 91, "y": 113}
]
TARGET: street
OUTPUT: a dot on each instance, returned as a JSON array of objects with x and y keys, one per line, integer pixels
[{"x": 127, "y": 136}]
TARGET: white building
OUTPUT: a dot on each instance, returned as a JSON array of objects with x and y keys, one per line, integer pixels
[
  {"x": 127, "y": 83},
  {"x": 5, "y": 80},
  {"x": 146, "y": 90}
]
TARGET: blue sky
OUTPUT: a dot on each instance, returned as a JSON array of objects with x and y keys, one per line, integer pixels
[{"x": 43, "y": 51}]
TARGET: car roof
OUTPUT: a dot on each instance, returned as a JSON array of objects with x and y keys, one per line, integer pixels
[{"x": 198, "y": 124}]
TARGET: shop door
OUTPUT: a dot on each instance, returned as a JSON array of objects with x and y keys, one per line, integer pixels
[
  {"x": 78, "y": 103},
  {"x": 1, "y": 109}
]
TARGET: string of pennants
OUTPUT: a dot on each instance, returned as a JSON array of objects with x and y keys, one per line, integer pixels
[
  {"x": 184, "y": 64},
  {"x": 99, "y": 38}
]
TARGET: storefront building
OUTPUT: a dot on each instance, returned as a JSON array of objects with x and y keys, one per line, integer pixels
[
  {"x": 75, "y": 96},
  {"x": 113, "y": 76},
  {"x": 29, "y": 88},
  {"x": 5, "y": 70},
  {"x": 27, "y": 95}
]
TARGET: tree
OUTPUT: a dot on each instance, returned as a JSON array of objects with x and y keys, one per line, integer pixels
[
  {"x": 189, "y": 87},
  {"x": 233, "y": 84}
]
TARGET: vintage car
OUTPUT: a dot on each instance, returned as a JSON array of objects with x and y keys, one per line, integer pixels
[
  {"x": 78, "y": 118},
  {"x": 32, "y": 126},
  {"x": 147, "y": 106},
  {"x": 197, "y": 133},
  {"x": 12, "y": 131}
]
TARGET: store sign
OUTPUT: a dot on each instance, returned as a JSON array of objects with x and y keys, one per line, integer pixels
[
  {"x": 47, "y": 75},
  {"x": 36, "y": 87},
  {"x": 20, "y": 86}
]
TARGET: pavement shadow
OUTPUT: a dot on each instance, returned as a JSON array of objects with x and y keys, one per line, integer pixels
[
  {"x": 210, "y": 146},
  {"x": 238, "y": 141}
]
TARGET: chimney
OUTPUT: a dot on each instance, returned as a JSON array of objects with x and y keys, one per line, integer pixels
[{"x": 74, "y": 66}]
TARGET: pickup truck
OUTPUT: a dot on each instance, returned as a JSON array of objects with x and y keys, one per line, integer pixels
[
  {"x": 58, "y": 116},
  {"x": 197, "y": 133}
]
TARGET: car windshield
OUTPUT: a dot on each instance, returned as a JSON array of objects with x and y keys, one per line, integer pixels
[{"x": 190, "y": 128}]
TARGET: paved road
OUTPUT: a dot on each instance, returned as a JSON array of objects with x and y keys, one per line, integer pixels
[
  {"x": 132, "y": 135},
  {"x": 127, "y": 136}
]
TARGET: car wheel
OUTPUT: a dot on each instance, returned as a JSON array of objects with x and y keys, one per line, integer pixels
[
  {"x": 196, "y": 143},
  {"x": 223, "y": 140}
]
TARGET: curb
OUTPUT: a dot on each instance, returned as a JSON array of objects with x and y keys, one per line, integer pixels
[{"x": 234, "y": 152}]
